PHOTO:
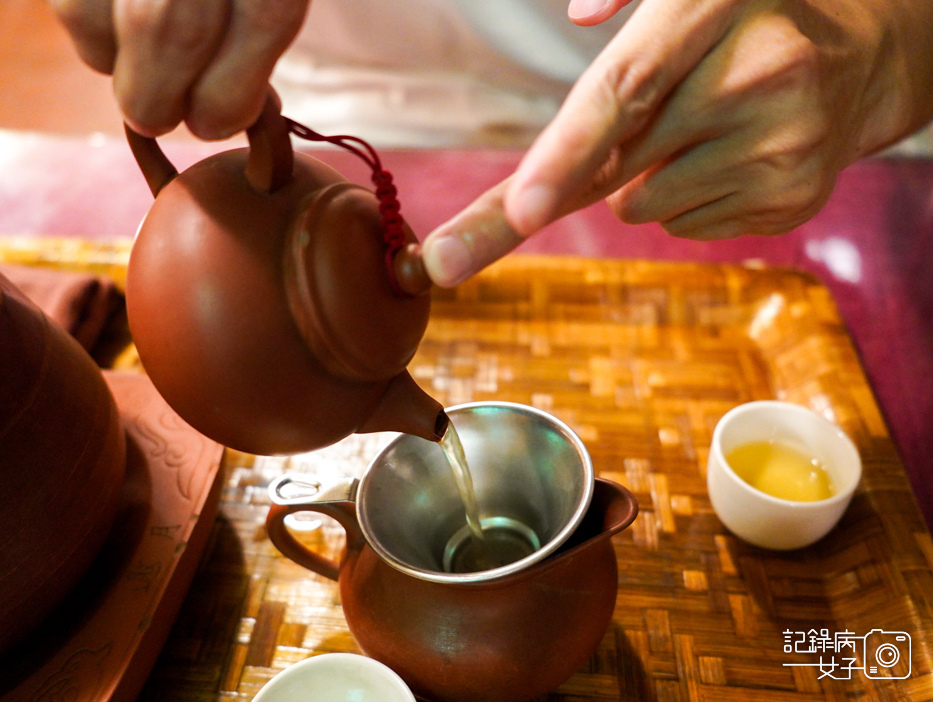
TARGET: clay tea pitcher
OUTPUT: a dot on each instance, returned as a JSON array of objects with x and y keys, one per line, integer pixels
[
  {"x": 505, "y": 634},
  {"x": 265, "y": 305}
]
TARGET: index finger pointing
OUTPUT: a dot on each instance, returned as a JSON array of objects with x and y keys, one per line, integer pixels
[{"x": 614, "y": 100}]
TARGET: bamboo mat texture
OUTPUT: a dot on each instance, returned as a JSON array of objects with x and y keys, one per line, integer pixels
[{"x": 641, "y": 359}]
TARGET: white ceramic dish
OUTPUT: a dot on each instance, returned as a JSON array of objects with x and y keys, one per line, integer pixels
[{"x": 336, "y": 677}]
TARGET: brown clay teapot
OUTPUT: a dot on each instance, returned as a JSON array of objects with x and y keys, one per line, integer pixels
[
  {"x": 62, "y": 464},
  {"x": 262, "y": 303}
]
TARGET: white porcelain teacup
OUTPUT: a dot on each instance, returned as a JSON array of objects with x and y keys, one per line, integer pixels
[
  {"x": 336, "y": 677},
  {"x": 758, "y": 517}
]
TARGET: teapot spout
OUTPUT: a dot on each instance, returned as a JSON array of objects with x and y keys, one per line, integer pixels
[{"x": 406, "y": 408}]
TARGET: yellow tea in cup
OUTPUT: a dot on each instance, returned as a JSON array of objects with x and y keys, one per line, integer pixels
[{"x": 781, "y": 471}]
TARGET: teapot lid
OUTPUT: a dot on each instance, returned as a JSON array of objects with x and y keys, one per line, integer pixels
[{"x": 361, "y": 309}]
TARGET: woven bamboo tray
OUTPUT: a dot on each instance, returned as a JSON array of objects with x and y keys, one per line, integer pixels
[{"x": 641, "y": 359}]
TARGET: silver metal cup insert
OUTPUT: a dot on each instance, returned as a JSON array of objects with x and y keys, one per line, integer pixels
[{"x": 533, "y": 480}]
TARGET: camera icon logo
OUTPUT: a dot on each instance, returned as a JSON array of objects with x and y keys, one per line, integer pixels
[{"x": 886, "y": 654}]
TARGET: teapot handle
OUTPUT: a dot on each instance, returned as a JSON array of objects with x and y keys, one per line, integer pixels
[
  {"x": 336, "y": 501},
  {"x": 270, "y": 161},
  {"x": 270, "y": 149},
  {"x": 156, "y": 168}
]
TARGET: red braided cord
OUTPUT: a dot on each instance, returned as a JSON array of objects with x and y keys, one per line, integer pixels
[{"x": 386, "y": 192}]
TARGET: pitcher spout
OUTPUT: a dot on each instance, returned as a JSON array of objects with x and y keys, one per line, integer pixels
[
  {"x": 406, "y": 408},
  {"x": 616, "y": 506},
  {"x": 612, "y": 509}
]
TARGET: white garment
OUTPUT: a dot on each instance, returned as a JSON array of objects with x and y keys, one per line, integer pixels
[
  {"x": 436, "y": 72},
  {"x": 446, "y": 72}
]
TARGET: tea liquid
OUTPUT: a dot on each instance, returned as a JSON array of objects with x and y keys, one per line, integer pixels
[
  {"x": 504, "y": 541},
  {"x": 494, "y": 542},
  {"x": 781, "y": 471},
  {"x": 453, "y": 449}
]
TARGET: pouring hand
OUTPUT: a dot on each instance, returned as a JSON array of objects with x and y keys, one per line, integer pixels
[
  {"x": 715, "y": 118},
  {"x": 204, "y": 62}
]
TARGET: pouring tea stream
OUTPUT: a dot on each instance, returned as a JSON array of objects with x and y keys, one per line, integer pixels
[{"x": 275, "y": 306}]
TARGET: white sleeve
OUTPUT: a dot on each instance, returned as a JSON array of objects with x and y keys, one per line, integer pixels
[{"x": 436, "y": 72}]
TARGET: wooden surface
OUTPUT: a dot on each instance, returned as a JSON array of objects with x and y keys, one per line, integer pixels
[{"x": 641, "y": 359}]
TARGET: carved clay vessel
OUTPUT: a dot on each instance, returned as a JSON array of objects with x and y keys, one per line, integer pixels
[
  {"x": 506, "y": 639},
  {"x": 260, "y": 302},
  {"x": 62, "y": 464}
]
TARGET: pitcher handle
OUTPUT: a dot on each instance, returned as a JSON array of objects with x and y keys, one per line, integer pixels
[
  {"x": 268, "y": 167},
  {"x": 298, "y": 493}
]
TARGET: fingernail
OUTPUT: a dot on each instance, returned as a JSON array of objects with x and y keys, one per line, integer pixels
[
  {"x": 582, "y": 9},
  {"x": 447, "y": 260},
  {"x": 530, "y": 208}
]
